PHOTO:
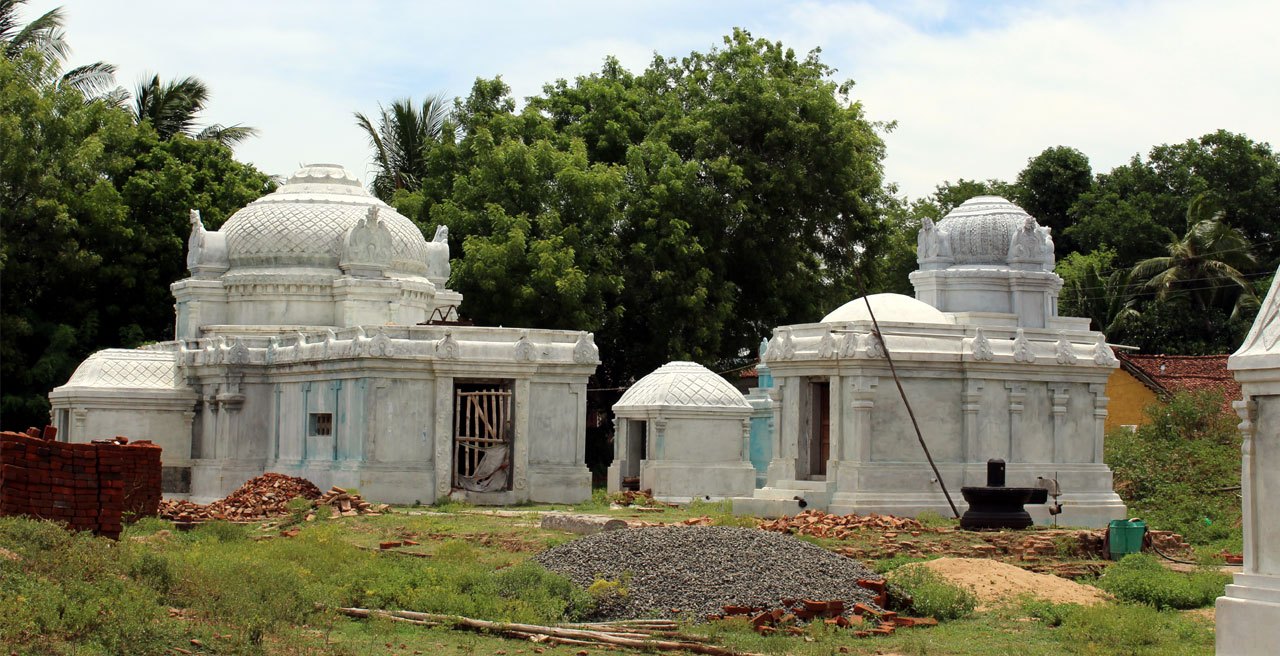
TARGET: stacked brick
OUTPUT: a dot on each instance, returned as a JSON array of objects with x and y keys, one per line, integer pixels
[{"x": 82, "y": 485}]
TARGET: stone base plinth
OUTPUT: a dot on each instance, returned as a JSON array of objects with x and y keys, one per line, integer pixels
[{"x": 1248, "y": 617}]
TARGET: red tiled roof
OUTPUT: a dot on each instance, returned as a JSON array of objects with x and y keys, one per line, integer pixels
[{"x": 1166, "y": 374}]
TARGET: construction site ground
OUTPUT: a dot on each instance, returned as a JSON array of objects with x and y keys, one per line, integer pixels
[{"x": 455, "y": 535}]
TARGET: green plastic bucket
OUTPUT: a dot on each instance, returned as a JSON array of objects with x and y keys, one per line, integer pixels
[{"x": 1124, "y": 537}]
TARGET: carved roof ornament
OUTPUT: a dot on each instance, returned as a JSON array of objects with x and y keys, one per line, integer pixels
[
  {"x": 438, "y": 269},
  {"x": 524, "y": 349},
  {"x": 933, "y": 246},
  {"x": 206, "y": 249},
  {"x": 1102, "y": 354},
  {"x": 367, "y": 247},
  {"x": 872, "y": 346},
  {"x": 1063, "y": 349},
  {"x": 827, "y": 345},
  {"x": 238, "y": 353},
  {"x": 773, "y": 349},
  {"x": 447, "y": 348},
  {"x": 849, "y": 346},
  {"x": 380, "y": 344},
  {"x": 1022, "y": 348},
  {"x": 1031, "y": 246},
  {"x": 1264, "y": 335},
  {"x": 981, "y": 347},
  {"x": 273, "y": 349},
  {"x": 786, "y": 346},
  {"x": 585, "y": 350}
]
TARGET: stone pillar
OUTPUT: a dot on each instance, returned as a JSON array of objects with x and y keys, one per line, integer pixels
[
  {"x": 520, "y": 455},
  {"x": 618, "y": 468},
  {"x": 834, "y": 419},
  {"x": 971, "y": 405},
  {"x": 786, "y": 396},
  {"x": 864, "y": 401},
  {"x": 1100, "y": 401},
  {"x": 1060, "y": 399},
  {"x": 442, "y": 436},
  {"x": 1017, "y": 394}
]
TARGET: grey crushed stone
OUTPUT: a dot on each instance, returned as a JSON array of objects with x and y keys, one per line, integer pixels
[{"x": 700, "y": 569}]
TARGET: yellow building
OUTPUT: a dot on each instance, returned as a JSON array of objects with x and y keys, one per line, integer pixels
[{"x": 1145, "y": 379}]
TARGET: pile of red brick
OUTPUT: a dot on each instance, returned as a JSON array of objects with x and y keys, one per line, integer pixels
[
  {"x": 87, "y": 486},
  {"x": 824, "y": 525}
]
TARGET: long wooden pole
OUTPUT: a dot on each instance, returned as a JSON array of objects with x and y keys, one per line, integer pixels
[{"x": 553, "y": 632}]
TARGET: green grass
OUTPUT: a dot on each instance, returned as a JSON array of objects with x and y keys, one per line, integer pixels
[
  {"x": 1141, "y": 578},
  {"x": 76, "y": 594},
  {"x": 1176, "y": 471}
]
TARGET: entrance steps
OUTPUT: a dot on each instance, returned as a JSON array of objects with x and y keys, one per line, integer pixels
[{"x": 784, "y": 498}]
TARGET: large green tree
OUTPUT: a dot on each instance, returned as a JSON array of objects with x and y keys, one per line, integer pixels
[
  {"x": 1139, "y": 207},
  {"x": 681, "y": 212},
  {"x": 1050, "y": 185},
  {"x": 93, "y": 229}
]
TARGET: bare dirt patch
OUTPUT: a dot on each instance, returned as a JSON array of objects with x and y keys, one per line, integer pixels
[{"x": 996, "y": 583}]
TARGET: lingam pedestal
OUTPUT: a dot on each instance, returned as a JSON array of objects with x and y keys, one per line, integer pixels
[{"x": 995, "y": 506}]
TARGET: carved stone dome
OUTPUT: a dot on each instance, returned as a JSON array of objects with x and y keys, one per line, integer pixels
[
  {"x": 888, "y": 307},
  {"x": 303, "y": 223},
  {"x": 981, "y": 228},
  {"x": 682, "y": 384},
  {"x": 132, "y": 369}
]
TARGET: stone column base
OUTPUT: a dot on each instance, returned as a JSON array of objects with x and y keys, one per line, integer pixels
[{"x": 1248, "y": 617}]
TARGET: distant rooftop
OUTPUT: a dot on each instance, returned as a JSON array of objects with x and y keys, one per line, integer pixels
[{"x": 1167, "y": 374}]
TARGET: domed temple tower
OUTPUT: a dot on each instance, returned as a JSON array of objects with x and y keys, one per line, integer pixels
[
  {"x": 990, "y": 368},
  {"x": 315, "y": 337}
]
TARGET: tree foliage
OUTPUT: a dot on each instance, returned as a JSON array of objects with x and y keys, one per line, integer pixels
[
  {"x": 401, "y": 141},
  {"x": 1137, "y": 208},
  {"x": 681, "y": 212},
  {"x": 1050, "y": 185},
  {"x": 93, "y": 229}
]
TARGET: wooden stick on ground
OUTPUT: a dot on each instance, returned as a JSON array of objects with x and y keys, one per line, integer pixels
[{"x": 552, "y": 632}]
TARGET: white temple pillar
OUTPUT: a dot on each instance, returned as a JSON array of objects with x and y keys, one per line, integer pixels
[
  {"x": 971, "y": 406},
  {"x": 1248, "y": 616},
  {"x": 443, "y": 436}
]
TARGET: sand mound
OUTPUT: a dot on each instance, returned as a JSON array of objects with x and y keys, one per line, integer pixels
[{"x": 997, "y": 583}]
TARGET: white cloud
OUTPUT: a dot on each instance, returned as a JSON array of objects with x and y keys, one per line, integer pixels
[{"x": 976, "y": 88}]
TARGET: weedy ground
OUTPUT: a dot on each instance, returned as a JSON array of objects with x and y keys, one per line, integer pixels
[{"x": 245, "y": 589}]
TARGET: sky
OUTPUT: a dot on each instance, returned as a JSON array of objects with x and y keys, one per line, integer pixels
[{"x": 975, "y": 88}]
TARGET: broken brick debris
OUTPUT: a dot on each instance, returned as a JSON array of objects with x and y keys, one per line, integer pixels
[
  {"x": 792, "y": 613},
  {"x": 268, "y": 496}
]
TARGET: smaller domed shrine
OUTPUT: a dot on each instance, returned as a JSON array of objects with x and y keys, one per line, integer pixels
[
  {"x": 315, "y": 337},
  {"x": 683, "y": 433},
  {"x": 990, "y": 368}
]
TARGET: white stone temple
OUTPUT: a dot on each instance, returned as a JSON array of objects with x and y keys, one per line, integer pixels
[
  {"x": 683, "y": 433},
  {"x": 990, "y": 368},
  {"x": 1248, "y": 617},
  {"x": 315, "y": 337}
]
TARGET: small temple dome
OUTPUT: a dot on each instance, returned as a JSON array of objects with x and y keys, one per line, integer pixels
[
  {"x": 683, "y": 384},
  {"x": 888, "y": 307},
  {"x": 981, "y": 228},
  {"x": 303, "y": 224},
  {"x": 129, "y": 369}
]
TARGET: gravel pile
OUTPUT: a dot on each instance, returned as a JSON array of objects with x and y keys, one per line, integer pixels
[{"x": 699, "y": 569}]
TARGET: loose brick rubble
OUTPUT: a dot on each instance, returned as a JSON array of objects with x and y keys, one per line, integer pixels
[
  {"x": 1040, "y": 550},
  {"x": 261, "y": 497},
  {"x": 267, "y": 496},
  {"x": 788, "y": 617},
  {"x": 88, "y": 486}
]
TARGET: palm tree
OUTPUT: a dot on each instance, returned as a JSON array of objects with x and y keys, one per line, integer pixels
[
  {"x": 171, "y": 108},
  {"x": 1205, "y": 266},
  {"x": 46, "y": 37},
  {"x": 1106, "y": 298},
  {"x": 400, "y": 141}
]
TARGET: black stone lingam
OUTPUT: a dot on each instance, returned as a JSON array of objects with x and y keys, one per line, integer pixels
[{"x": 996, "y": 506}]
